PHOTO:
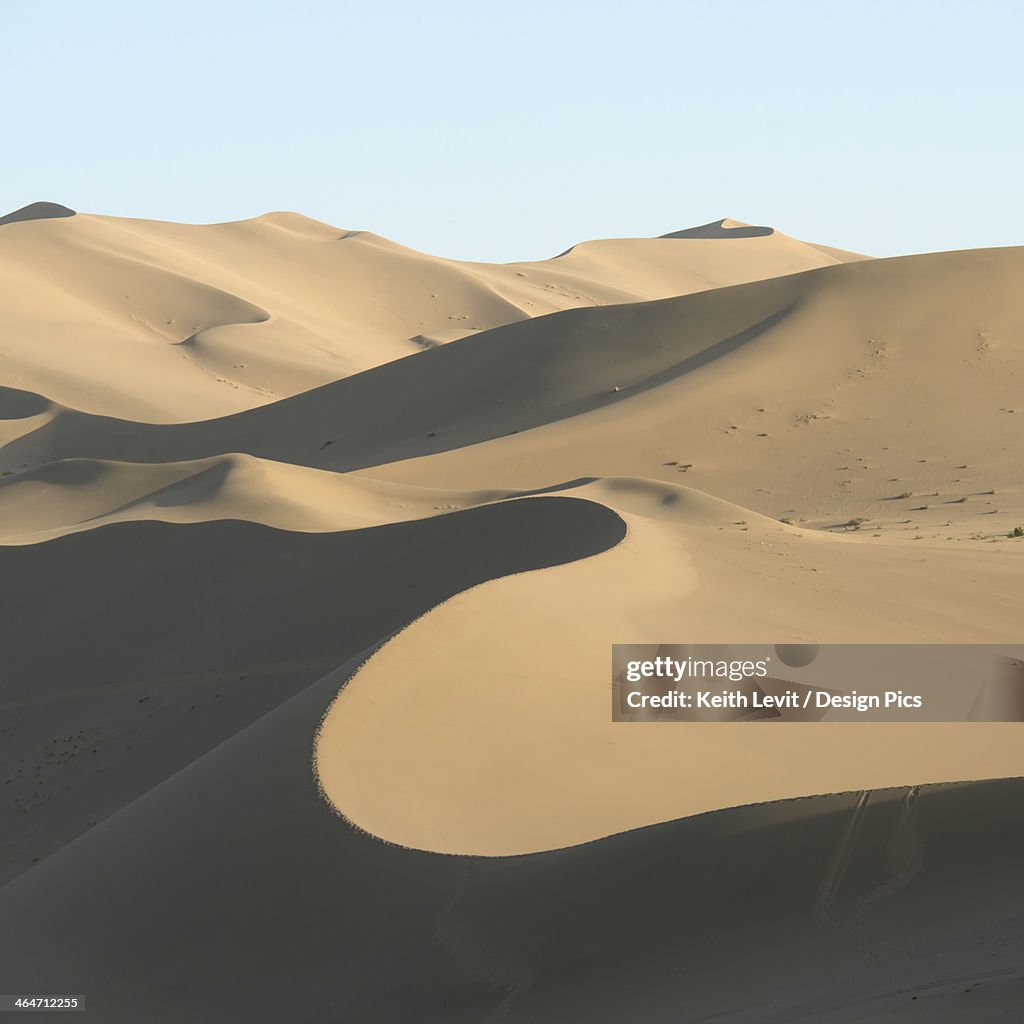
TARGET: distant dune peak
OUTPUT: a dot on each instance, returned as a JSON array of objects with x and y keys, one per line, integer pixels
[
  {"x": 724, "y": 228},
  {"x": 297, "y": 224},
  {"x": 37, "y": 211}
]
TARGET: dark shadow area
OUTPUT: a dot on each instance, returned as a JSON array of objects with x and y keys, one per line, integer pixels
[
  {"x": 232, "y": 893},
  {"x": 456, "y": 395},
  {"x": 203, "y": 485},
  {"x": 37, "y": 211},
  {"x": 131, "y": 649},
  {"x": 16, "y": 404},
  {"x": 718, "y": 229}
]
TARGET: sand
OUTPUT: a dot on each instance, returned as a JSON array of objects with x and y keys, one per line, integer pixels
[
  {"x": 314, "y": 548},
  {"x": 177, "y": 322}
]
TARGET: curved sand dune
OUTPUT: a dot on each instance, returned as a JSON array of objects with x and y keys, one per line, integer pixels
[
  {"x": 485, "y": 726},
  {"x": 202, "y": 594},
  {"x": 727, "y": 228},
  {"x": 235, "y": 870},
  {"x": 36, "y": 211},
  {"x": 115, "y": 693},
  {"x": 330, "y": 303},
  {"x": 820, "y": 397},
  {"x": 82, "y": 494}
]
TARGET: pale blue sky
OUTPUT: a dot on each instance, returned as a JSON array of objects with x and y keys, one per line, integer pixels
[{"x": 512, "y": 130}]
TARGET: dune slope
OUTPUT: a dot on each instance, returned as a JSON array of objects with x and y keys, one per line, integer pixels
[
  {"x": 637, "y": 926},
  {"x": 313, "y": 548},
  {"x": 111, "y": 694},
  {"x": 485, "y": 726},
  {"x": 165, "y": 322}
]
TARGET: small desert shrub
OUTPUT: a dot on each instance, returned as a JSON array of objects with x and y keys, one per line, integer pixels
[{"x": 1017, "y": 531}]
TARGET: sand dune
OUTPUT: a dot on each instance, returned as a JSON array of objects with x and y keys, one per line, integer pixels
[
  {"x": 543, "y": 766},
  {"x": 178, "y": 322},
  {"x": 36, "y": 211},
  {"x": 313, "y": 549},
  {"x": 829, "y": 926},
  {"x": 122, "y": 697},
  {"x": 72, "y": 495},
  {"x": 821, "y": 397}
]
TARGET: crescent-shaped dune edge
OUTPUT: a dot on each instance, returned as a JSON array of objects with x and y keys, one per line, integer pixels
[
  {"x": 313, "y": 550},
  {"x": 484, "y": 727}
]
